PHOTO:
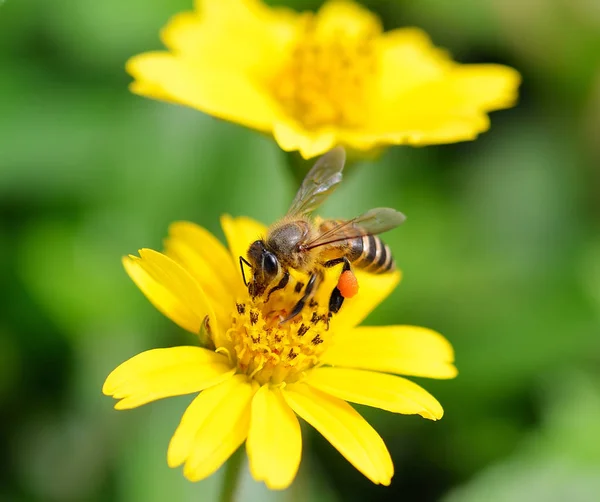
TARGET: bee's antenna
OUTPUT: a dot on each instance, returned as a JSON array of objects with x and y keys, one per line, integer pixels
[{"x": 242, "y": 261}]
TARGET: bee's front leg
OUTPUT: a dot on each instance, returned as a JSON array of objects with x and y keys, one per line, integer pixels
[
  {"x": 337, "y": 299},
  {"x": 308, "y": 292},
  {"x": 280, "y": 285}
]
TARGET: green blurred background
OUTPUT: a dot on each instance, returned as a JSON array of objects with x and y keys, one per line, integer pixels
[{"x": 501, "y": 253}]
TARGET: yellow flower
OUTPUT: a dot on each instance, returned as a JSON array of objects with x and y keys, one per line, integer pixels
[
  {"x": 318, "y": 80},
  {"x": 256, "y": 375}
]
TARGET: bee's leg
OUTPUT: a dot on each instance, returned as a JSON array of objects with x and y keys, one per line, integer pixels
[
  {"x": 310, "y": 286},
  {"x": 242, "y": 261},
  {"x": 336, "y": 299},
  {"x": 337, "y": 261},
  {"x": 282, "y": 284}
]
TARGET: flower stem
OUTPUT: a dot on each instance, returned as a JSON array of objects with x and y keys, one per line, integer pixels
[{"x": 233, "y": 472}]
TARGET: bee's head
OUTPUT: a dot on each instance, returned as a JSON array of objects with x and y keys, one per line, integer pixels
[{"x": 265, "y": 267}]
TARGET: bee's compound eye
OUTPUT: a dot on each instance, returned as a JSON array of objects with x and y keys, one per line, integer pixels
[{"x": 270, "y": 264}]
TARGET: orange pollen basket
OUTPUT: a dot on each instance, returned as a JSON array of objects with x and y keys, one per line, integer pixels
[{"x": 348, "y": 284}]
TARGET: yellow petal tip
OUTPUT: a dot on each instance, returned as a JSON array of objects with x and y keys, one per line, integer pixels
[
  {"x": 433, "y": 415},
  {"x": 122, "y": 405},
  {"x": 108, "y": 389},
  {"x": 174, "y": 460},
  {"x": 277, "y": 486}
]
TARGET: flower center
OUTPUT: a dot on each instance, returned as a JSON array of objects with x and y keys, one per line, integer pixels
[
  {"x": 324, "y": 82},
  {"x": 270, "y": 351}
]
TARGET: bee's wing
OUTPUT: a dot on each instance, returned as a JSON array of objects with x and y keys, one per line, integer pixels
[
  {"x": 319, "y": 183},
  {"x": 373, "y": 222}
]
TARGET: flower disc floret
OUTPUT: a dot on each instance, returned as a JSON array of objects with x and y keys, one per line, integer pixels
[{"x": 273, "y": 352}]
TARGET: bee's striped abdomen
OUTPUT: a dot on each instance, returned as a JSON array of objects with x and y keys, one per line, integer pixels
[
  {"x": 376, "y": 256},
  {"x": 367, "y": 252}
]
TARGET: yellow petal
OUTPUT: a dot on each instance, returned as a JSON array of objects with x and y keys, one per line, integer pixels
[
  {"x": 240, "y": 233},
  {"x": 274, "y": 442},
  {"x": 408, "y": 52},
  {"x": 183, "y": 33},
  {"x": 407, "y": 350},
  {"x": 170, "y": 289},
  {"x": 225, "y": 93},
  {"x": 345, "y": 429},
  {"x": 251, "y": 36},
  {"x": 209, "y": 262},
  {"x": 441, "y": 101},
  {"x": 151, "y": 89},
  {"x": 347, "y": 17},
  {"x": 212, "y": 428},
  {"x": 380, "y": 390},
  {"x": 160, "y": 373},
  {"x": 432, "y": 83},
  {"x": 427, "y": 128},
  {"x": 372, "y": 290},
  {"x": 207, "y": 246},
  {"x": 484, "y": 86},
  {"x": 292, "y": 137}
]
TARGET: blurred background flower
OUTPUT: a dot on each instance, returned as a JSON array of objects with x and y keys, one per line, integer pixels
[
  {"x": 500, "y": 252},
  {"x": 319, "y": 80}
]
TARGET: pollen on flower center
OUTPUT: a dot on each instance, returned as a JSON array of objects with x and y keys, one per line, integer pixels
[
  {"x": 269, "y": 351},
  {"x": 324, "y": 81}
]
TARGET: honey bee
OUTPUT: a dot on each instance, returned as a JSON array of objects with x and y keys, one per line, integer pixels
[{"x": 298, "y": 242}]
